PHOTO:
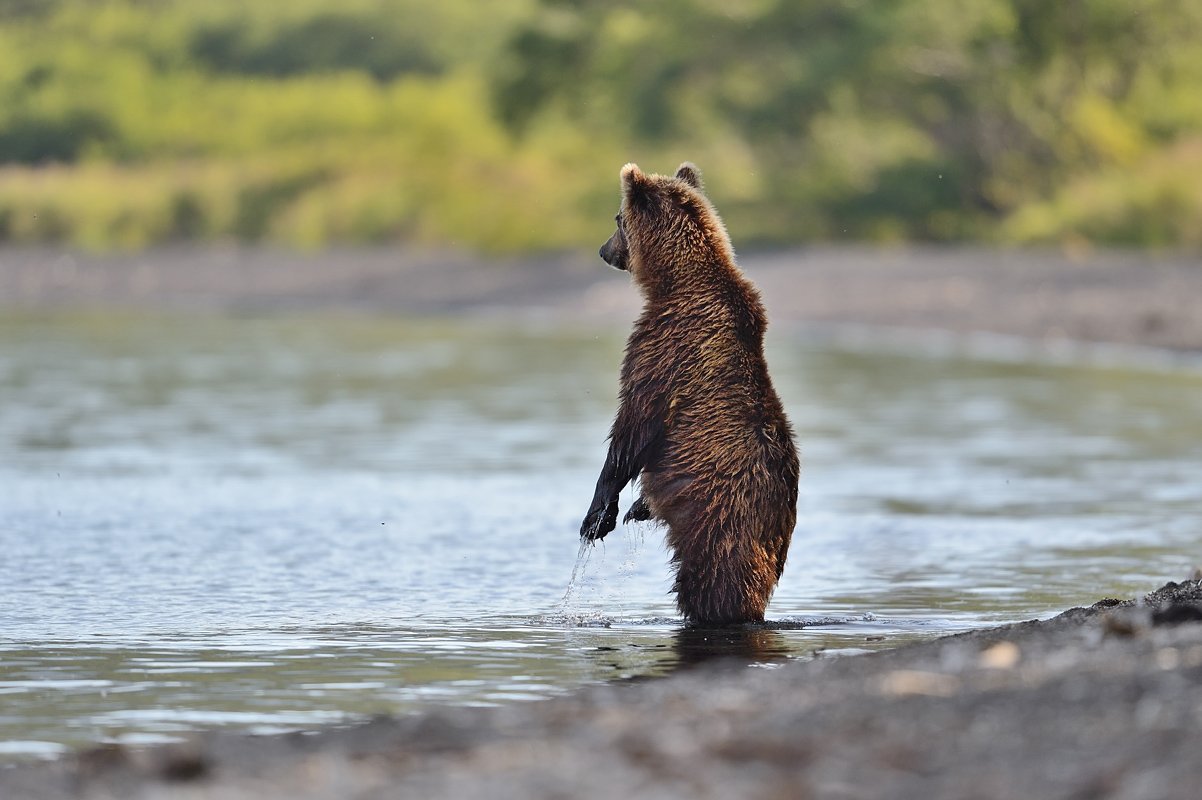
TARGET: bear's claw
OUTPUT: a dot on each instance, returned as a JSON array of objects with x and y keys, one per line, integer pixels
[
  {"x": 639, "y": 512},
  {"x": 600, "y": 521}
]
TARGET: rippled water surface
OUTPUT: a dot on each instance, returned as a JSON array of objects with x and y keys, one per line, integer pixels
[{"x": 274, "y": 524}]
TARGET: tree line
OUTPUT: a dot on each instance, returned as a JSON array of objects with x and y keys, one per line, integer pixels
[{"x": 129, "y": 122}]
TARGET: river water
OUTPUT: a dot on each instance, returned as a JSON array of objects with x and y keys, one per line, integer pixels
[{"x": 273, "y": 524}]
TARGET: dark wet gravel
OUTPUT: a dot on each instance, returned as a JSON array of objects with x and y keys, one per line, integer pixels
[{"x": 1097, "y": 702}]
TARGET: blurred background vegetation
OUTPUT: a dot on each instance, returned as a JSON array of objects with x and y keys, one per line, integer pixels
[{"x": 502, "y": 126}]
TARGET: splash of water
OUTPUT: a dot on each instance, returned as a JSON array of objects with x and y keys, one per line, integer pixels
[
  {"x": 635, "y": 539},
  {"x": 582, "y": 556},
  {"x": 565, "y": 612}
]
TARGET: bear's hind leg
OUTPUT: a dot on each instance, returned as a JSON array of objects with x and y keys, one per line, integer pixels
[{"x": 726, "y": 586}]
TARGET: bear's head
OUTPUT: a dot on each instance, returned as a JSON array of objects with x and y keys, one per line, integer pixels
[{"x": 666, "y": 227}]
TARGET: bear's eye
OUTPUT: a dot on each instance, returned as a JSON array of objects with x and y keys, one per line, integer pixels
[{"x": 618, "y": 219}]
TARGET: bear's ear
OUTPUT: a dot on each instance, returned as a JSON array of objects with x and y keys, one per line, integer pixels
[
  {"x": 689, "y": 173},
  {"x": 634, "y": 184}
]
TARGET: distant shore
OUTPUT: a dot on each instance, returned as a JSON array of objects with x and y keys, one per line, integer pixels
[{"x": 1114, "y": 297}]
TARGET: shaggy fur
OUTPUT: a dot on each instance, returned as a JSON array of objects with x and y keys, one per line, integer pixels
[{"x": 699, "y": 424}]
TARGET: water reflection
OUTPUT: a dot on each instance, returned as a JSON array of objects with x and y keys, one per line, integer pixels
[{"x": 745, "y": 644}]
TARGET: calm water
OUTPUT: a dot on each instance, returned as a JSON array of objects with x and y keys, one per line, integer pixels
[{"x": 275, "y": 524}]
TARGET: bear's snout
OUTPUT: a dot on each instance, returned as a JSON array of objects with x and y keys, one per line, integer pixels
[{"x": 613, "y": 252}]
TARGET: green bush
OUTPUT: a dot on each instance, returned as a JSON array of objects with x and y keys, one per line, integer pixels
[
  {"x": 36, "y": 139},
  {"x": 327, "y": 42}
]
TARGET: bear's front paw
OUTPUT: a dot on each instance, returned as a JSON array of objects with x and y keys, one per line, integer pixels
[
  {"x": 599, "y": 521},
  {"x": 639, "y": 512}
]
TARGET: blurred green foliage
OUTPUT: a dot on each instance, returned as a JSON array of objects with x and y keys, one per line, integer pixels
[{"x": 502, "y": 126}]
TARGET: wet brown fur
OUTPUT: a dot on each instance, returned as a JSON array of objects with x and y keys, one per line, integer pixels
[{"x": 700, "y": 424}]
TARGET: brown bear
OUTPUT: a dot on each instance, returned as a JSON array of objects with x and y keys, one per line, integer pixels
[{"x": 699, "y": 423}]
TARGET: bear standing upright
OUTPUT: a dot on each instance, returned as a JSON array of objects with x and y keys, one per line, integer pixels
[{"x": 699, "y": 423}]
